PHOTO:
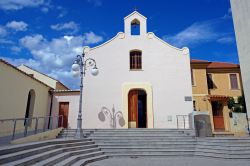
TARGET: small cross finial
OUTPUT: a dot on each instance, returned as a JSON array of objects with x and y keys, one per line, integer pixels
[{"x": 135, "y": 8}]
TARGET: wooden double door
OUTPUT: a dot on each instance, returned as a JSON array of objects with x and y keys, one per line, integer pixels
[{"x": 137, "y": 109}]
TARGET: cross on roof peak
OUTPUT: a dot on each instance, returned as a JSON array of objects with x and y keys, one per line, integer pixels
[{"x": 135, "y": 8}]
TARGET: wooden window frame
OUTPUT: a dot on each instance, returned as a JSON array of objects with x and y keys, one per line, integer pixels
[
  {"x": 237, "y": 82},
  {"x": 135, "y": 60}
]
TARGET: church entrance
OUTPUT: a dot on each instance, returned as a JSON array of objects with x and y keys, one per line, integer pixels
[{"x": 137, "y": 109}]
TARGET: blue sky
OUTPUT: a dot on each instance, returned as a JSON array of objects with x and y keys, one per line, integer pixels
[{"x": 47, "y": 34}]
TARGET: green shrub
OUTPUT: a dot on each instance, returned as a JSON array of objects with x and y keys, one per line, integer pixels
[
  {"x": 239, "y": 107},
  {"x": 230, "y": 102}
]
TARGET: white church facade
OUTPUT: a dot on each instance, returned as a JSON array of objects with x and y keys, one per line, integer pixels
[{"x": 140, "y": 75}]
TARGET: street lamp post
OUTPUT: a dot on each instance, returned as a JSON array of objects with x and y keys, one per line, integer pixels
[{"x": 79, "y": 68}]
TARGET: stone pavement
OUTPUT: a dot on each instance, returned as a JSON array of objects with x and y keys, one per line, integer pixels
[{"x": 170, "y": 161}]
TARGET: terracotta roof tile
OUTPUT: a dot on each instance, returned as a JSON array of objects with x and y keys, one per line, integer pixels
[
  {"x": 216, "y": 65},
  {"x": 198, "y": 61},
  {"x": 220, "y": 65}
]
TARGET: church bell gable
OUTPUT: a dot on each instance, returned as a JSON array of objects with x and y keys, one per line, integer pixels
[{"x": 135, "y": 20}]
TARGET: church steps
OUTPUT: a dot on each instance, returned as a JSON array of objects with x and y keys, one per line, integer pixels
[
  {"x": 175, "y": 147},
  {"x": 49, "y": 152},
  {"x": 63, "y": 158},
  {"x": 166, "y": 144},
  {"x": 225, "y": 142},
  {"x": 153, "y": 142},
  {"x": 142, "y": 138},
  {"x": 229, "y": 147},
  {"x": 17, "y": 148},
  {"x": 26, "y": 153},
  {"x": 134, "y": 154},
  {"x": 82, "y": 159},
  {"x": 43, "y": 156},
  {"x": 222, "y": 155},
  {"x": 146, "y": 148},
  {"x": 141, "y": 135},
  {"x": 104, "y": 143},
  {"x": 223, "y": 151},
  {"x": 176, "y": 153},
  {"x": 144, "y": 145},
  {"x": 82, "y": 162}
]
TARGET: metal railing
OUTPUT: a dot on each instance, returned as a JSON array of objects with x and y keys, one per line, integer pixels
[
  {"x": 182, "y": 121},
  {"x": 48, "y": 123}
]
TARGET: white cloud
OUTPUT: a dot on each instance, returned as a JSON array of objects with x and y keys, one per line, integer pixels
[
  {"x": 16, "y": 62},
  {"x": 15, "y": 49},
  {"x": 226, "y": 40},
  {"x": 202, "y": 32},
  {"x": 55, "y": 57},
  {"x": 92, "y": 38},
  {"x": 6, "y": 41},
  {"x": 66, "y": 26},
  {"x": 17, "y": 25},
  {"x": 197, "y": 33},
  {"x": 19, "y": 4},
  {"x": 45, "y": 9},
  {"x": 3, "y": 31},
  {"x": 96, "y": 3}
]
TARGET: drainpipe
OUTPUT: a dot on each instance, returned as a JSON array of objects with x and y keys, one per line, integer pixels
[{"x": 51, "y": 105}]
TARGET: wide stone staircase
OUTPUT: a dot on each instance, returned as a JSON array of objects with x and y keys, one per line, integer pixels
[
  {"x": 223, "y": 147},
  {"x": 59, "y": 152},
  {"x": 145, "y": 142},
  {"x": 99, "y": 144},
  {"x": 164, "y": 143}
]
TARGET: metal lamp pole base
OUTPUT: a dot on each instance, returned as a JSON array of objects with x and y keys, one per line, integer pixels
[{"x": 79, "y": 132}]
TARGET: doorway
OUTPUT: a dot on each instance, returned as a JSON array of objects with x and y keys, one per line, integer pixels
[
  {"x": 217, "y": 108},
  {"x": 64, "y": 111},
  {"x": 137, "y": 109}
]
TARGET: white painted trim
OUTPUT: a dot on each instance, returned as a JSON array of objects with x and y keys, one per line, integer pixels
[
  {"x": 184, "y": 49},
  {"x": 135, "y": 12},
  {"x": 119, "y": 33}
]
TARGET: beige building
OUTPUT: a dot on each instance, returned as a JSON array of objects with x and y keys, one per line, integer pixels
[
  {"x": 212, "y": 84},
  {"x": 21, "y": 96},
  {"x": 51, "y": 82},
  {"x": 28, "y": 93}
]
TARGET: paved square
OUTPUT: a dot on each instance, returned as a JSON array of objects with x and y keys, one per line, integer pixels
[{"x": 173, "y": 161}]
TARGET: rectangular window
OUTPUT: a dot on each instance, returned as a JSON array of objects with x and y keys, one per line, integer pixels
[
  {"x": 234, "y": 81},
  {"x": 135, "y": 60},
  {"x": 210, "y": 83}
]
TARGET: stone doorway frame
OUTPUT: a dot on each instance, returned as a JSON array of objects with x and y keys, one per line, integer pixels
[{"x": 147, "y": 87}]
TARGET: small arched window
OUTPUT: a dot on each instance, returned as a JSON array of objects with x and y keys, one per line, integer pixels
[
  {"x": 135, "y": 60},
  {"x": 135, "y": 27},
  {"x": 29, "y": 107}
]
